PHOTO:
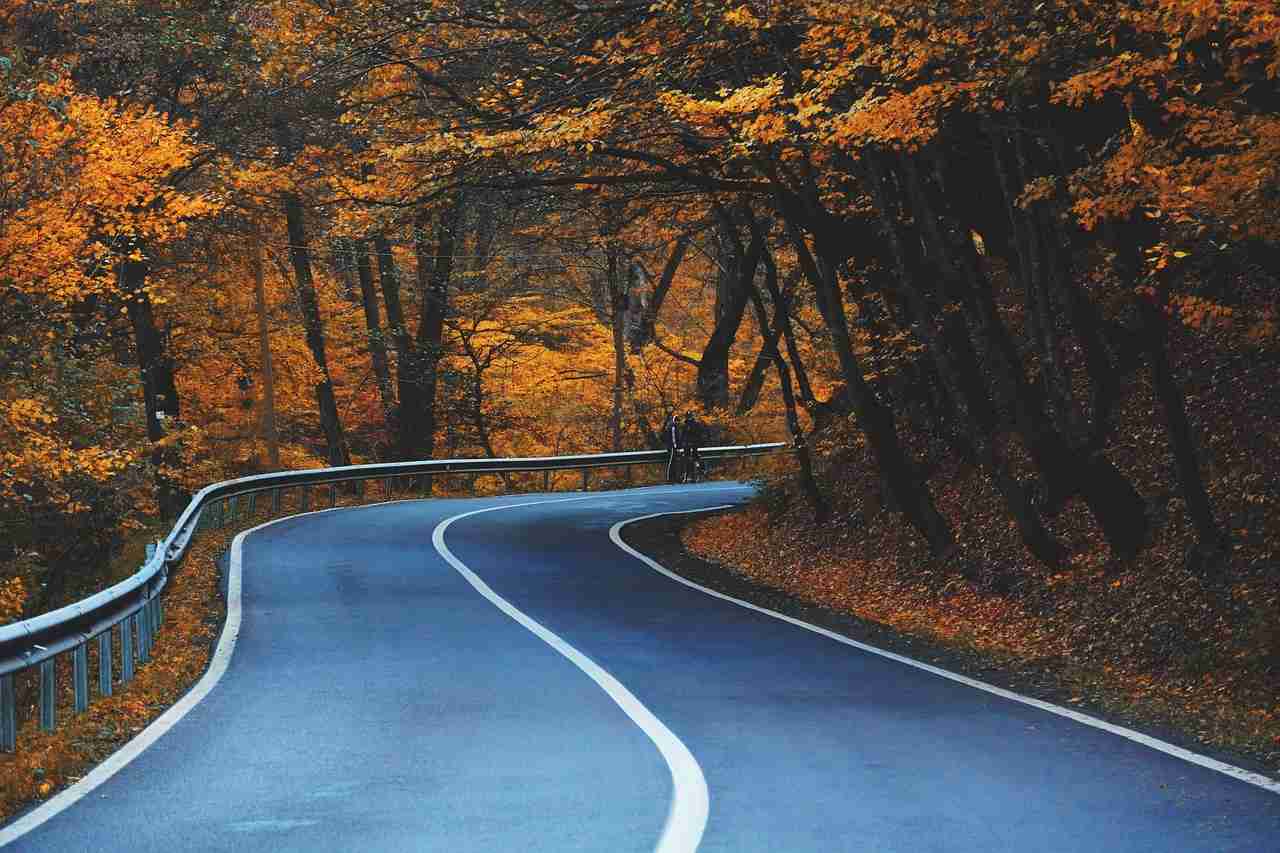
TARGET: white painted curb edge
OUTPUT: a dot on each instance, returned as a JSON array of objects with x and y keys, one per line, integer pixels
[
  {"x": 1248, "y": 776},
  {"x": 690, "y": 803}
]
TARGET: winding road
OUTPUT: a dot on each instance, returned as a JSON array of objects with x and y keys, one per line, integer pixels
[{"x": 502, "y": 675}]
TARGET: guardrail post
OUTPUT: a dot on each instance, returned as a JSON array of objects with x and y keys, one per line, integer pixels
[
  {"x": 546, "y": 480},
  {"x": 333, "y": 494},
  {"x": 126, "y": 648},
  {"x": 386, "y": 489},
  {"x": 626, "y": 474},
  {"x": 104, "y": 663},
  {"x": 275, "y": 501},
  {"x": 360, "y": 490},
  {"x": 8, "y": 715},
  {"x": 48, "y": 695},
  {"x": 144, "y": 634},
  {"x": 306, "y": 498},
  {"x": 586, "y": 479},
  {"x": 80, "y": 676},
  {"x": 233, "y": 507},
  {"x": 253, "y": 504}
]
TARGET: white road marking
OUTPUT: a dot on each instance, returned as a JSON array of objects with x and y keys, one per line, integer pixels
[
  {"x": 690, "y": 802},
  {"x": 1257, "y": 779},
  {"x": 122, "y": 757}
]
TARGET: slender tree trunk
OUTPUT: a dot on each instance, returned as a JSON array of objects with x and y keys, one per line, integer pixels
[
  {"x": 644, "y": 333},
  {"x": 819, "y": 503},
  {"x": 1067, "y": 469},
  {"x": 477, "y": 416},
  {"x": 159, "y": 389},
  {"x": 269, "y": 434},
  {"x": 373, "y": 324},
  {"x": 1182, "y": 440},
  {"x": 903, "y": 485},
  {"x": 806, "y": 394},
  {"x": 300, "y": 255},
  {"x": 955, "y": 361},
  {"x": 618, "y": 295},
  {"x": 755, "y": 380},
  {"x": 389, "y": 279}
]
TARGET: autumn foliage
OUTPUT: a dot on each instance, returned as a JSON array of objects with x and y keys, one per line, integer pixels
[{"x": 1011, "y": 244}]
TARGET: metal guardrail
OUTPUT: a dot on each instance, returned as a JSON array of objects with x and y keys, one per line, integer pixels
[{"x": 134, "y": 604}]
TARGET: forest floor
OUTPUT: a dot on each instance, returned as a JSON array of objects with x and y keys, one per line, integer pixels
[{"x": 1166, "y": 642}]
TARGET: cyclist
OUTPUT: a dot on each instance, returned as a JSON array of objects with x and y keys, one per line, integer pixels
[
  {"x": 671, "y": 438},
  {"x": 692, "y": 434}
]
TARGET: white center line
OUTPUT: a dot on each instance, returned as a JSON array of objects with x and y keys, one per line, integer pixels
[{"x": 690, "y": 802}]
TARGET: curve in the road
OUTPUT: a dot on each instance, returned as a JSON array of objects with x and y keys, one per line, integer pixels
[
  {"x": 687, "y": 817},
  {"x": 375, "y": 701}
]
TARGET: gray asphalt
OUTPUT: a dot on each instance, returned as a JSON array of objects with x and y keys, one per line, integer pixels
[{"x": 376, "y": 702}]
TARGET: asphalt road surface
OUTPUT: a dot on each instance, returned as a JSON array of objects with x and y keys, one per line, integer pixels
[{"x": 512, "y": 680}]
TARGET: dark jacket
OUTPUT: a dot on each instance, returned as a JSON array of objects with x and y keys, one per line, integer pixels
[{"x": 671, "y": 433}]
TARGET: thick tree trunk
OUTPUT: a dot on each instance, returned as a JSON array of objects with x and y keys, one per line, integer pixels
[
  {"x": 308, "y": 302},
  {"x": 373, "y": 324},
  {"x": 733, "y": 295},
  {"x": 159, "y": 389},
  {"x": 419, "y": 375}
]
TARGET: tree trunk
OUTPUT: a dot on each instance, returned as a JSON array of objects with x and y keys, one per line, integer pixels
[
  {"x": 308, "y": 302},
  {"x": 1182, "y": 440},
  {"x": 420, "y": 374},
  {"x": 269, "y": 434},
  {"x": 1067, "y": 470},
  {"x": 903, "y": 486},
  {"x": 732, "y": 297},
  {"x": 954, "y": 358},
  {"x": 373, "y": 324},
  {"x": 755, "y": 380},
  {"x": 389, "y": 279},
  {"x": 644, "y": 333},
  {"x": 618, "y": 295},
  {"x": 159, "y": 390},
  {"x": 821, "y": 508}
]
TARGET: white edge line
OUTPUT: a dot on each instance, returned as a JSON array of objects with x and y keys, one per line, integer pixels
[
  {"x": 690, "y": 803},
  {"x": 1248, "y": 776},
  {"x": 123, "y": 756}
]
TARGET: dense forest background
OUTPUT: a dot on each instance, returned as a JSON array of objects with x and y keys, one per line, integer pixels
[{"x": 1004, "y": 272}]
